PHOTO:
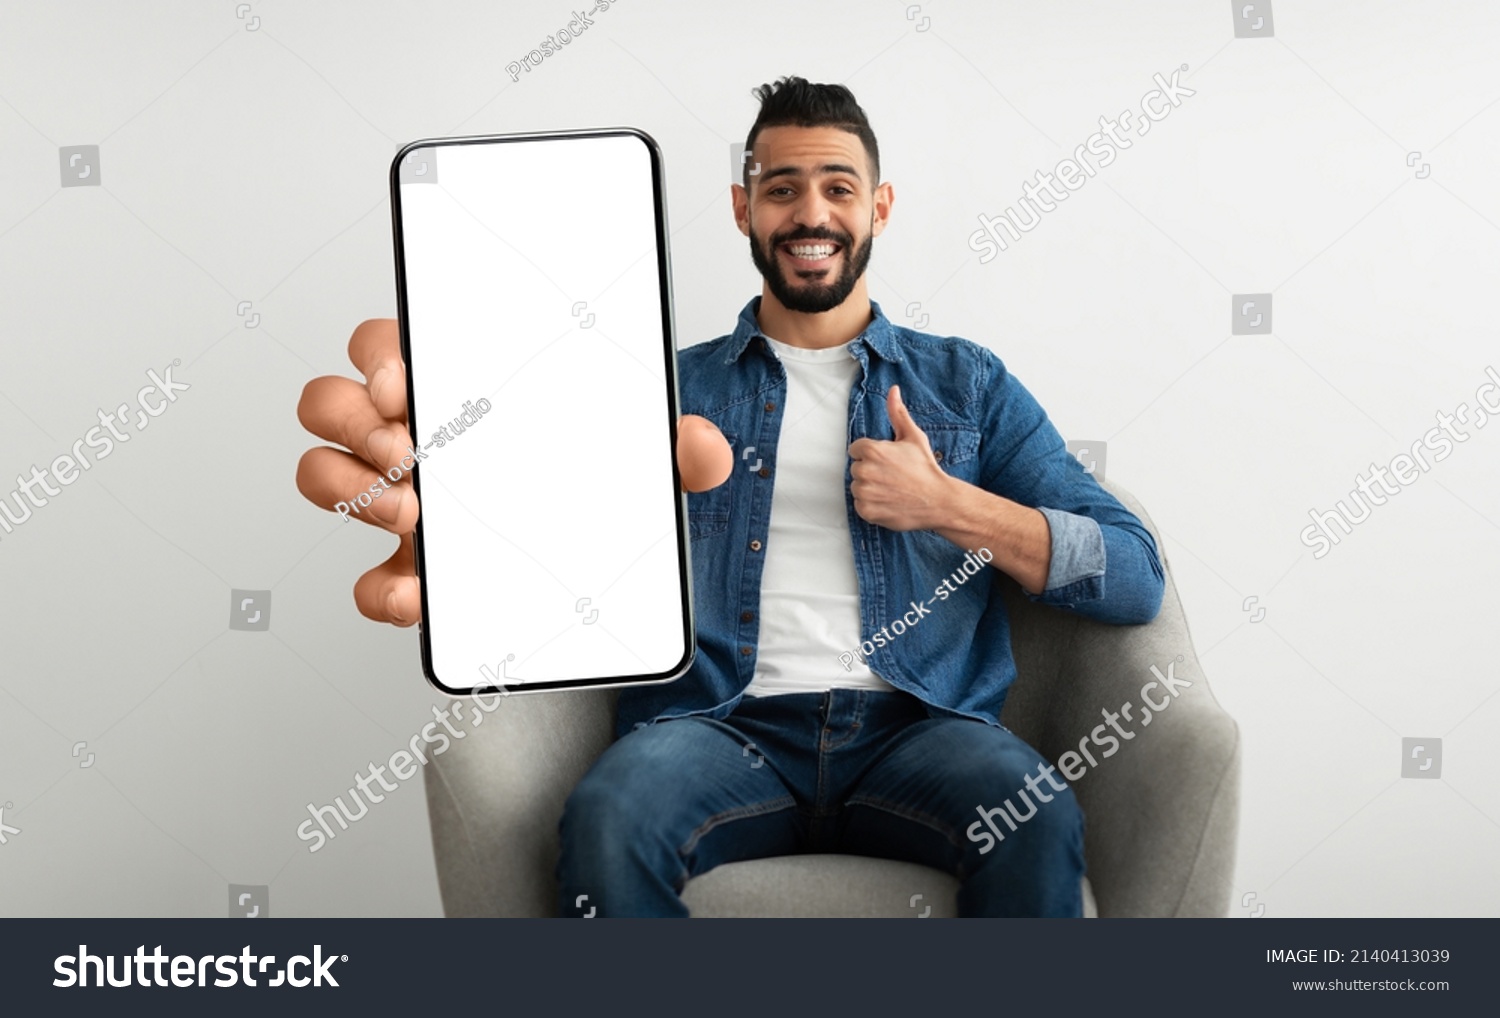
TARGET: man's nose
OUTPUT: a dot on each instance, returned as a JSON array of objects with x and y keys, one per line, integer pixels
[{"x": 812, "y": 210}]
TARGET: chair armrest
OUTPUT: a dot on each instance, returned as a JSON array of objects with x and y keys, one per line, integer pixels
[
  {"x": 1162, "y": 810},
  {"x": 494, "y": 799}
]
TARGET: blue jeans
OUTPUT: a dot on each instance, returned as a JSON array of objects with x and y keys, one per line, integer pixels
[{"x": 850, "y": 771}]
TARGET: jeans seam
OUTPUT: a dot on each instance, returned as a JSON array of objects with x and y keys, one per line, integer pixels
[
  {"x": 728, "y": 816},
  {"x": 855, "y": 724}
]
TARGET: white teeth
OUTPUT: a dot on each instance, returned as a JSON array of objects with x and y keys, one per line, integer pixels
[{"x": 812, "y": 251}]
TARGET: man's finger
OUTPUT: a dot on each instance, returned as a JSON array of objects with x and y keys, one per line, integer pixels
[
  {"x": 902, "y": 425},
  {"x": 334, "y": 480},
  {"x": 375, "y": 348},
  {"x": 339, "y": 410},
  {"x": 391, "y": 592}
]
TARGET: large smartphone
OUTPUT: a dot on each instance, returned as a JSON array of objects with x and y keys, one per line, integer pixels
[{"x": 533, "y": 289}]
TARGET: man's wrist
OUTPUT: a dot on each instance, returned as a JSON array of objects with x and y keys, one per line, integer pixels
[
  {"x": 963, "y": 515},
  {"x": 1018, "y": 537}
]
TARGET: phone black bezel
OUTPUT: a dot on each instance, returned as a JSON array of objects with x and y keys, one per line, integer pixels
[{"x": 664, "y": 275}]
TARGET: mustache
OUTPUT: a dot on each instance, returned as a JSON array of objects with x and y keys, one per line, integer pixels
[{"x": 810, "y": 236}]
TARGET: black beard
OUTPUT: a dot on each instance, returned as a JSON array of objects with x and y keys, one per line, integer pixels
[{"x": 815, "y": 297}]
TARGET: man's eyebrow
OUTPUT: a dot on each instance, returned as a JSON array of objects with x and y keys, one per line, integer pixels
[{"x": 796, "y": 171}]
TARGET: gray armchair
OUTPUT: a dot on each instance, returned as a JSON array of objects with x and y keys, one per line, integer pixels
[{"x": 1161, "y": 814}]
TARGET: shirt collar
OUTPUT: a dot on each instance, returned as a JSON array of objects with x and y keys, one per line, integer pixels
[{"x": 879, "y": 335}]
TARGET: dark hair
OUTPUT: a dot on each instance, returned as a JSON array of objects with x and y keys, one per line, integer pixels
[{"x": 797, "y": 102}]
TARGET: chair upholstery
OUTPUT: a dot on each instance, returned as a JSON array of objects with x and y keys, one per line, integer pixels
[{"x": 1161, "y": 814}]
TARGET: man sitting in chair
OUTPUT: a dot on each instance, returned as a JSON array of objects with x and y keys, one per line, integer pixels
[{"x": 853, "y": 648}]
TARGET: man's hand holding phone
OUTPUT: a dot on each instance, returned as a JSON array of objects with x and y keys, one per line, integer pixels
[{"x": 370, "y": 422}]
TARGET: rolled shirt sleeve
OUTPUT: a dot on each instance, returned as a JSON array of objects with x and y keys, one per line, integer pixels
[{"x": 1078, "y": 557}]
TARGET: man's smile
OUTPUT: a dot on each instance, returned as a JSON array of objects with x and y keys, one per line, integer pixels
[{"x": 810, "y": 255}]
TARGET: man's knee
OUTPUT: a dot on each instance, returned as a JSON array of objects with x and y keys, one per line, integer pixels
[
  {"x": 600, "y": 805},
  {"x": 1011, "y": 791},
  {"x": 627, "y": 791}
]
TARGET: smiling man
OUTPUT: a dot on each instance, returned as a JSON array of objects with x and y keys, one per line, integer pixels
[
  {"x": 885, "y": 478},
  {"x": 874, "y": 461}
]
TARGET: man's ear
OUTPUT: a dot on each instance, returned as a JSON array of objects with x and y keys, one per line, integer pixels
[
  {"x": 740, "y": 199},
  {"x": 880, "y": 212}
]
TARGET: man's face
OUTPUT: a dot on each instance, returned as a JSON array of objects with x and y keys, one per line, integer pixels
[{"x": 810, "y": 215}]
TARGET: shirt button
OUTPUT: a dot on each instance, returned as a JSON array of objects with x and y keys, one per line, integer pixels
[
  {"x": 747, "y": 616},
  {"x": 770, "y": 407},
  {"x": 755, "y": 546},
  {"x": 746, "y": 651},
  {"x": 938, "y": 455},
  {"x": 765, "y": 471}
]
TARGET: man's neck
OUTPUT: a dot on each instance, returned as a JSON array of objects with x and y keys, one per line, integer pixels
[{"x": 820, "y": 331}]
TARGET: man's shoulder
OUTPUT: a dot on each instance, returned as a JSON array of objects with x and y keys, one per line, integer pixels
[
  {"x": 950, "y": 361},
  {"x": 929, "y": 345},
  {"x": 700, "y": 353}
]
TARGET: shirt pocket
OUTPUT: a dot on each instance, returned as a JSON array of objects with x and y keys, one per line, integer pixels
[
  {"x": 708, "y": 511},
  {"x": 955, "y": 447}
]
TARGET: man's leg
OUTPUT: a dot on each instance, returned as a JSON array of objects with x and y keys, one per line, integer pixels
[
  {"x": 665, "y": 803},
  {"x": 935, "y": 779}
]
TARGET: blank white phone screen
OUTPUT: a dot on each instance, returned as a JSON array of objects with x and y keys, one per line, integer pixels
[{"x": 539, "y": 343}]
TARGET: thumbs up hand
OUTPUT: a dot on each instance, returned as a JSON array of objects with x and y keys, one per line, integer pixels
[{"x": 898, "y": 484}]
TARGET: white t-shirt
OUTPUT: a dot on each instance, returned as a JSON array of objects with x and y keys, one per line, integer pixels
[{"x": 809, "y": 593}]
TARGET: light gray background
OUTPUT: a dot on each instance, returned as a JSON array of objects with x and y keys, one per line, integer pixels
[{"x": 245, "y": 159}]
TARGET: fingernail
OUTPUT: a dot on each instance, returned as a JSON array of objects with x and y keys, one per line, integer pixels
[
  {"x": 378, "y": 446},
  {"x": 382, "y": 378},
  {"x": 391, "y": 609},
  {"x": 388, "y": 508}
]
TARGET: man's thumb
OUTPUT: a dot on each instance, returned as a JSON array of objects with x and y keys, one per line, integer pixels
[{"x": 903, "y": 428}]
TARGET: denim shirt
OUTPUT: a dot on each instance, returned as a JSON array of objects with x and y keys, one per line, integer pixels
[{"x": 985, "y": 428}]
